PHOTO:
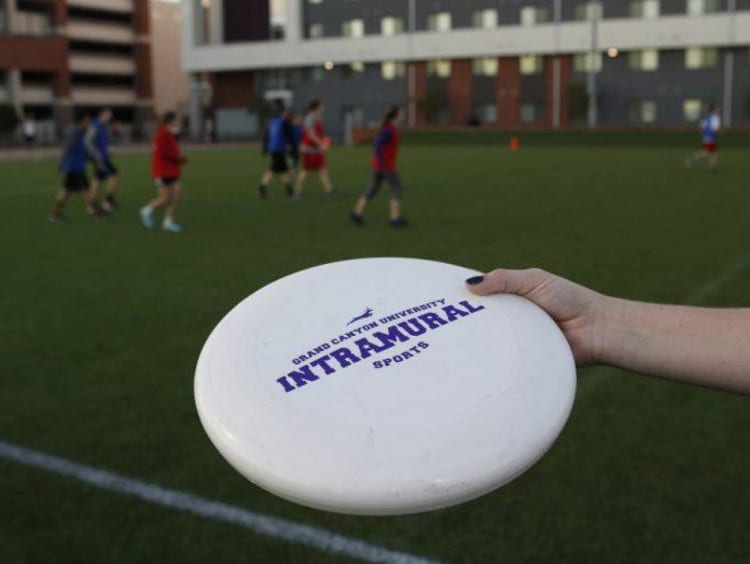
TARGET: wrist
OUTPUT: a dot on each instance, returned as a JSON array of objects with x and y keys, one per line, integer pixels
[{"x": 609, "y": 329}]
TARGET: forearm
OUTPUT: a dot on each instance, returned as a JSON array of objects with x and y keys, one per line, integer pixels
[{"x": 707, "y": 347}]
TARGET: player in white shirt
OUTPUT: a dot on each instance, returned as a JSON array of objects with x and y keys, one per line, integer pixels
[{"x": 710, "y": 139}]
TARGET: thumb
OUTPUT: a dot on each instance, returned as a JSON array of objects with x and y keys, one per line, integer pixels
[{"x": 502, "y": 281}]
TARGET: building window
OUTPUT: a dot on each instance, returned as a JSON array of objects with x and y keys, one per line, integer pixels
[
  {"x": 531, "y": 112},
  {"x": 486, "y": 66},
  {"x": 317, "y": 74},
  {"x": 587, "y": 11},
  {"x": 701, "y": 58},
  {"x": 314, "y": 1},
  {"x": 533, "y": 15},
  {"x": 531, "y": 64},
  {"x": 439, "y": 67},
  {"x": 315, "y": 31},
  {"x": 692, "y": 110},
  {"x": 485, "y": 19},
  {"x": 439, "y": 22},
  {"x": 353, "y": 28},
  {"x": 700, "y": 7},
  {"x": 645, "y": 60},
  {"x": 486, "y": 114},
  {"x": 587, "y": 62},
  {"x": 391, "y": 70},
  {"x": 391, "y": 26},
  {"x": 648, "y": 9},
  {"x": 642, "y": 111}
]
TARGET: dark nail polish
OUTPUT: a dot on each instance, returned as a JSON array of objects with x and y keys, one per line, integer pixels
[{"x": 474, "y": 280}]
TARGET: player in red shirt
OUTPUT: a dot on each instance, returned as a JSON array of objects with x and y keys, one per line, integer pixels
[
  {"x": 166, "y": 165},
  {"x": 384, "y": 157},
  {"x": 313, "y": 148}
]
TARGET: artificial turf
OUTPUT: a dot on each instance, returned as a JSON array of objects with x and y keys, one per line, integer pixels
[{"x": 101, "y": 325}]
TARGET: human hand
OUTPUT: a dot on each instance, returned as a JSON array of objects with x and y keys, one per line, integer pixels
[{"x": 577, "y": 310}]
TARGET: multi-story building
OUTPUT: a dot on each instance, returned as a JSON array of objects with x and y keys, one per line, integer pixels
[
  {"x": 509, "y": 63},
  {"x": 59, "y": 55}
]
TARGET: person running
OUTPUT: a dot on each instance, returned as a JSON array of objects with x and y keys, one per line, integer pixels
[
  {"x": 166, "y": 165},
  {"x": 710, "y": 138},
  {"x": 278, "y": 139},
  {"x": 97, "y": 142},
  {"x": 29, "y": 130},
  {"x": 73, "y": 167},
  {"x": 385, "y": 155},
  {"x": 314, "y": 147},
  {"x": 695, "y": 345}
]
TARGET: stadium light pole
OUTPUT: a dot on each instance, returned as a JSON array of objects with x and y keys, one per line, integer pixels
[
  {"x": 591, "y": 77},
  {"x": 728, "y": 97}
]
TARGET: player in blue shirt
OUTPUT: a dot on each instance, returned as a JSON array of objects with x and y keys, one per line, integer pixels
[
  {"x": 73, "y": 166},
  {"x": 710, "y": 139},
  {"x": 279, "y": 139},
  {"x": 98, "y": 139}
]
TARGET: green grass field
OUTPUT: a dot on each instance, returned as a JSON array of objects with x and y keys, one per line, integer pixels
[{"x": 101, "y": 326}]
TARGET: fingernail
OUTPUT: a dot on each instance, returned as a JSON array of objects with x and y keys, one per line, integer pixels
[{"x": 474, "y": 280}]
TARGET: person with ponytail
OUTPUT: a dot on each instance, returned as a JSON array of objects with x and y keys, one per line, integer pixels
[{"x": 385, "y": 155}]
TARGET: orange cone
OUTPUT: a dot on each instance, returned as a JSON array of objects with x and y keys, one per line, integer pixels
[{"x": 514, "y": 144}]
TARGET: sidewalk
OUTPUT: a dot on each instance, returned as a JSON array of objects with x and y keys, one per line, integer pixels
[{"x": 53, "y": 152}]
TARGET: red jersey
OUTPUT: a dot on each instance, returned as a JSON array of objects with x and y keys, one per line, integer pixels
[
  {"x": 314, "y": 124},
  {"x": 385, "y": 149},
  {"x": 166, "y": 159}
]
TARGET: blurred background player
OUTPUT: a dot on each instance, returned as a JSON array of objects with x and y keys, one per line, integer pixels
[
  {"x": 29, "y": 130},
  {"x": 385, "y": 155},
  {"x": 166, "y": 164},
  {"x": 313, "y": 149},
  {"x": 710, "y": 138},
  {"x": 297, "y": 131},
  {"x": 98, "y": 140},
  {"x": 73, "y": 166},
  {"x": 279, "y": 139}
]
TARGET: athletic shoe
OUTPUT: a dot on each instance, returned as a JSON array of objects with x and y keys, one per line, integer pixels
[
  {"x": 398, "y": 223},
  {"x": 297, "y": 196},
  {"x": 171, "y": 226},
  {"x": 263, "y": 192},
  {"x": 357, "y": 219},
  {"x": 56, "y": 218},
  {"x": 147, "y": 217},
  {"x": 110, "y": 204}
]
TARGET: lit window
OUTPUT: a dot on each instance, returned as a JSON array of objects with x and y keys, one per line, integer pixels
[
  {"x": 391, "y": 70},
  {"x": 487, "y": 114},
  {"x": 647, "y": 9},
  {"x": 314, "y": 1},
  {"x": 645, "y": 60},
  {"x": 353, "y": 28},
  {"x": 586, "y": 11},
  {"x": 485, "y": 19},
  {"x": 391, "y": 26},
  {"x": 439, "y": 67},
  {"x": 585, "y": 62},
  {"x": 531, "y": 15},
  {"x": 486, "y": 66},
  {"x": 357, "y": 66},
  {"x": 642, "y": 111},
  {"x": 530, "y": 112},
  {"x": 531, "y": 64},
  {"x": 701, "y": 58},
  {"x": 318, "y": 74},
  {"x": 692, "y": 110},
  {"x": 439, "y": 22},
  {"x": 700, "y": 7},
  {"x": 315, "y": 31}
]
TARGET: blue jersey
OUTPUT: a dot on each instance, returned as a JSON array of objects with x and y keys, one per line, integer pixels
[
  {"x": 279, "y": 135},
  {"x": 74, "y": 153},
  {"x": 710, "y": 128},
  {"x": 101, "y": 141}
]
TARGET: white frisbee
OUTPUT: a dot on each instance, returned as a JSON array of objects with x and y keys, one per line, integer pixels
[{"x": 383, "y": 386}]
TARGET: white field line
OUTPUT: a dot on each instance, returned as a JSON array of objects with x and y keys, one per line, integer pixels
[
  {"x": 715, "y": 284},
  {"x": 275, "y": 527}
]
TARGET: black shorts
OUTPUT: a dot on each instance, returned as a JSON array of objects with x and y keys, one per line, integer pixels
[
  {"x": 108, "y": 169},
  {"x": 378, "y": 177},
  {"x": 76, "y": 181},
  {"x": 165, "y": 181},
  {"x": 279, "y": 165}
]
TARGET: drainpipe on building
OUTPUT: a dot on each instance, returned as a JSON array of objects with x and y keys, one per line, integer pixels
[
  {"x": 728, "y": 97},
  {"x": 591, "y": 79},
  {"x": 411, "y": 70}
]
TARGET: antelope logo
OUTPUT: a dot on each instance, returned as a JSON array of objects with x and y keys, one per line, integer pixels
[{"x": 366, "y": 315}]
